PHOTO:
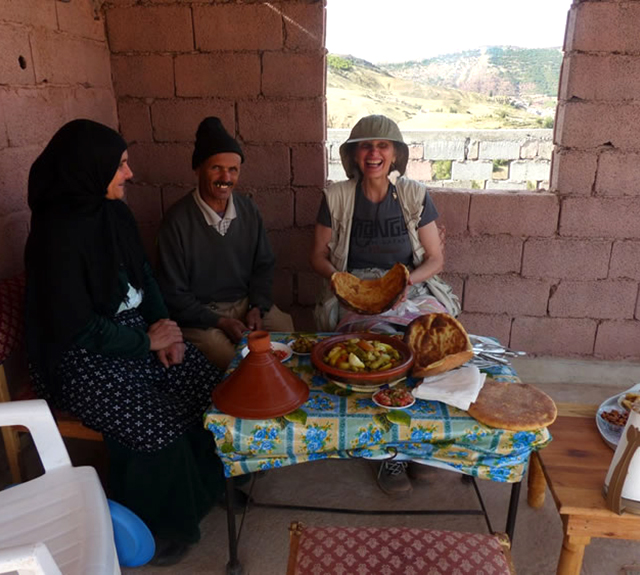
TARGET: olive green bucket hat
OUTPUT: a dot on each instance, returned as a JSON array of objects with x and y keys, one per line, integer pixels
[{"x": 374, "y": 127}]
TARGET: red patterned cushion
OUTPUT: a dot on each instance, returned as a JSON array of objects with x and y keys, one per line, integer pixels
[
  {"x": 396, "y": 551},
  {"x": 11, "y": 314}
]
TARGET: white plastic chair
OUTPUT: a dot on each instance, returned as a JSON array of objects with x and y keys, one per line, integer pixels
[{"x": 65, "y": 509}]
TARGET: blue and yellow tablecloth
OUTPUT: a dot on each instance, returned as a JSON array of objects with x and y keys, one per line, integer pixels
[{"x": 336, "y": 423}]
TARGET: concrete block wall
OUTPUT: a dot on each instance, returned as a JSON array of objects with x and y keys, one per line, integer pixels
[
  {"x": 526, "y": 154},
  {"x": 260, "y": 67},
  {"x": 54, "y": 67}
]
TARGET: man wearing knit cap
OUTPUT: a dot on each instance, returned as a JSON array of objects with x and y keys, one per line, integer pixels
[{"x": 215, "y": 263}]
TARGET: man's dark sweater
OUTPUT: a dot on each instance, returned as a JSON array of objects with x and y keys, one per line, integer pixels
[{"x": 197, "y": 265}]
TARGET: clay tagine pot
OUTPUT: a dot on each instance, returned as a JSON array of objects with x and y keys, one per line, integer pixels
[{"x": 261, "y": 387}]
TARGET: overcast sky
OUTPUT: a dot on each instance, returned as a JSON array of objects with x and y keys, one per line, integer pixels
[{"x": 399, "y": 30}]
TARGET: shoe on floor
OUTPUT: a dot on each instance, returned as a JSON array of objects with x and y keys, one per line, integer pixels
[
  {"x": 419, "y": 472},
  {"x": 168, "y": 552},
  {"x": 393, "y": 479}
]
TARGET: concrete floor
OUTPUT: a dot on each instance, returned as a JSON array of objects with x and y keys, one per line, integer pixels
[{"x": 538, "y": 535}]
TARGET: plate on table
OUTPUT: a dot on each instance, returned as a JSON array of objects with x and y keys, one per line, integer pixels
[
  {"x": 302, "y": 345},
  {"x": 393, "y": 398},
  {"x": 611, "y": 417},
  {"x": 281, "y": 350},
  {"x": 366, "y": 388}
]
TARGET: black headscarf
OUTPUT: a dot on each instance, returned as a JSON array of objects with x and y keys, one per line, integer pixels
[{"x": 78, "y": 239}]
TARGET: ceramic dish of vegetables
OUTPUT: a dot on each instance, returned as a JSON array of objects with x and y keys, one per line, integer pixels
[{"x": 362, "y": 355}]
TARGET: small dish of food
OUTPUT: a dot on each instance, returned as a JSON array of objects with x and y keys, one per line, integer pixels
[
  {"x": 396, "y": 398},
  {"x": 281, "y": 350},
  {"x": 626, "y": 400},
  {"x": 302, "y": 345}
]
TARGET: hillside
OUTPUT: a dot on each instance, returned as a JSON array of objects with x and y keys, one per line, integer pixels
[{"x": 356, "y": 88}]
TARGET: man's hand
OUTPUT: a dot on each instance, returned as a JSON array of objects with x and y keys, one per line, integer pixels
[
  {"x": 172, "y": 355},
  {"x": 234, "y": 328},
  {"x": 163, "y": 333},
  {"x": 253, "y": 319}
]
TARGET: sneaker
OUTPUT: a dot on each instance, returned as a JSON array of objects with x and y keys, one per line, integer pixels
[
  {"x": 393, "y": 479},
  {"x": 419, "y": 472}
]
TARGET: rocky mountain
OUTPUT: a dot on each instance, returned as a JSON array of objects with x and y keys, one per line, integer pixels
[{"x": 416, "y": 100}]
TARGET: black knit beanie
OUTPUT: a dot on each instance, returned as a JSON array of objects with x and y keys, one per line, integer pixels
[{"x": 211, "y": 139}]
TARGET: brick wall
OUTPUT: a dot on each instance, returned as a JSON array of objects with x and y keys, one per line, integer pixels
[
  {"x": 260, "y": 67},
  {"x": 54, "y": 67}
]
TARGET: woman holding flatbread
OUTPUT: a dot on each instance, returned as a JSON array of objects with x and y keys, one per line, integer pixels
[
  {"x": 100, "y": 343},
  {"x": 368, "y": 223}
]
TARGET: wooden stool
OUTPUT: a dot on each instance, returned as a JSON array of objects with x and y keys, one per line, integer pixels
[{"x": 396, "y": 551}]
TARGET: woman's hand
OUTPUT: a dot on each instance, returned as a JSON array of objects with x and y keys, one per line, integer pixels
[
  {"x": 163, "y": 334},
  {"x": 234, "y": 328},
  {"x": 172, "y": 355}
]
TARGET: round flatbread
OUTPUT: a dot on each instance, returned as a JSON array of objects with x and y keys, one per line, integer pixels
[
  {"x": 513, "y": 406},
  {"x": 370, "y": 297},
  {"x": 439, "y": 343}
]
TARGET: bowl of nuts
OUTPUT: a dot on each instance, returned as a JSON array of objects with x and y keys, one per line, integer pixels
[{"x": 611, "y": 420}]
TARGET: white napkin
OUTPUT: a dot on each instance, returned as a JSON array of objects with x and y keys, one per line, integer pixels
[{"x": 459, "y": 387}]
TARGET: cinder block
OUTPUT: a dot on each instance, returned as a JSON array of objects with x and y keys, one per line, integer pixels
[
  {"x": 589, "y": 125},
  {"x": 266, "y": 165},
  {"x": 135, "y": 120},
  {"x": 618, "y": 174},
  {"x": 334, "y": 152},
  {"x": 148, "y": 235},
  {"x": 63, "y": 59},
  {"x": 419, "y": 170},
  {"x": 293, "y": 75},
  {"x": 609, "y": 77},
  {"x": 498, "y": 326},
  {"x": 444, "y": 150},
  {"x": 505, "y": 185},
  {"x": 15, "y": 228},
  {"x": 30, "y": 12},
  {"x": 483, "y": 254},
  {"x": 79, "y": 18},
  {"x": 292, "y": 248},
  {"x": 506, "y": 294},
  {"x": 304, "y": 26},
  {"x": 625, "y": 262},
  {"x": 225, "y": 75},
  {"x": 336, "y": 173},
  {"x": 545, "y": 150},
  {"x": 177, "y": 120},
  {"x": 32, "y": 116},
  {"x": 237, "y": 27},
  {"x": 453, "y": 208},
  {"x": 172, "y": 193},
  {"x": 307, "y": 205},
  {"x": 276, "y": 207},
  {"x": 416, "y": 151},
  {"x": 618, "y": 340},
  {"x": 145, "y": 202},
  {"x": 309, "y": 284},
  {"x": 606, "y": 27},
  {"x": 14, "y": 48},
  {"x": 14, "y": 175},
  {"x": 593, "y": 217},
  {"x": 308, "y": 165},
  {"x": 492, "y": 150},
  {"x": 282, "y": 121},
  {"x": 96, "y": 104},
  {"x": 573, "y": 172},
  {"x": 604, "y": 299},
  {"x": 161, "y": 163},
  {"x": 522, "y": 171},
  {"x": 529, "y": 149},
  {"x": 143, "y": 76},
  {"x": 514, "y": 214},
  {"x": 566, "y": 259},
  {"x": 553, "y": 336},
  {"x": 150, "y": 29},
  {"x": 471, "y": 170},
  {"x": 4, "y": 139},
  {"x": 473, "y": 150}
]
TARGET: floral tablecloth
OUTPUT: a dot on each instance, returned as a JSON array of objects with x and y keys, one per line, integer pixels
[{"x": 337, "y": 423}]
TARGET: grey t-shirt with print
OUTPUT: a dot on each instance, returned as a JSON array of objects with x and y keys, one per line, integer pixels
[{"x": 379, "y": 236}]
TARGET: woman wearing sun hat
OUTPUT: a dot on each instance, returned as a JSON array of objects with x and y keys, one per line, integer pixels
[{"x": 368, "y": 223}]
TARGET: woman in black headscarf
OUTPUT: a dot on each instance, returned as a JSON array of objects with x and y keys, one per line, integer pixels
[{"x": 100, "y": 343}]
